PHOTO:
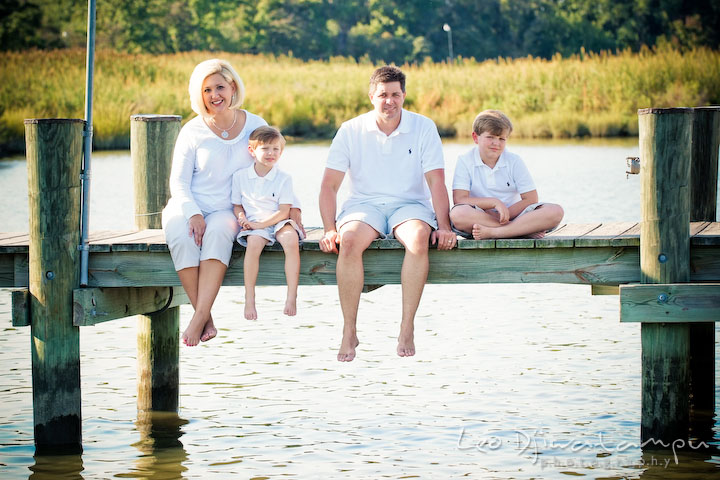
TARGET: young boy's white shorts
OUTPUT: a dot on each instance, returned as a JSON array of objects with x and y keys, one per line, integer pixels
[
  {"x": 384, "y": 217},
  {"x": 221, "y": 227},
  {"x": 269, "y": 232}
]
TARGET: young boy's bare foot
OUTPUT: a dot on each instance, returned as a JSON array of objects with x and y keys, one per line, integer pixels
[
  {"x": 290, "y": 307},
  {"x": 209, "y": 331},
  {"x": 481, "y": 232},
  {"x": 347, "y": 348},
  {"x": 250, "y": 311},
  {"x": 191, "y": 335},
  {"x": 406, "y": 345}
]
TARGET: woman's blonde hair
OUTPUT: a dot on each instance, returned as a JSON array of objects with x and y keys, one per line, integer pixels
[{"x": 204, "y": 70}]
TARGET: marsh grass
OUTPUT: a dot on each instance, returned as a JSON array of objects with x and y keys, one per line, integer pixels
[{"x": 585, "y": 95}]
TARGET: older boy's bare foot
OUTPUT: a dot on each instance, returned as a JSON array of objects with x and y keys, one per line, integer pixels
[
  {"x": 250, "y": 311},
  {"x": 347, "y": 348},
  {"x": 209, "y": 331},
  {"x": 481, "y": 232},
  {"x": 191, "y": 335},
  {"x": 535, "y": 235},
  {"x": 406, "y": 345},
  {"x": 290, "y": 307}
]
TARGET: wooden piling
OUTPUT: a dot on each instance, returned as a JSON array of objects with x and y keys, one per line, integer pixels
[
  {"x": 703, "y": 207},
  {"x": 665, "y": 149},
  {"x": 152, "y": 139},
  {"x": 54, "y": 158}
]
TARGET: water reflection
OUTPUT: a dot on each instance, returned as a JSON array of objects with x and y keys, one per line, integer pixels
[
  {"x": 664, "y": 464},
  {"x": 162, "y": 452},
  {"x": 53, "y": 467}
]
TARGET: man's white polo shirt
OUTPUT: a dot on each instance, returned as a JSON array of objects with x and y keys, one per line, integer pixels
[
  {"x": 506, "y": 181},
  {"x": 387, "y": 168}
]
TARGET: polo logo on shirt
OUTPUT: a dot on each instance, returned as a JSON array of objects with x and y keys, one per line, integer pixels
[{"x": 409, "y": 151}]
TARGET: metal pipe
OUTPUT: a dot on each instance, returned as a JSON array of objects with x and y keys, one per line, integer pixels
[{"x": 87, "y": 145}]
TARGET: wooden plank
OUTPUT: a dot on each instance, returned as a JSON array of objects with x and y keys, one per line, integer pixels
[
  {"x": 564, "y": 237},
  {"x": 20, "y": 307},
  {"x": 7, "y": 271},
  {"x": 14, "y": 239},
  {"x": 697, "y": 227},
  {"x": 604, "y": 234},
  {"x": 21, "y": 267},
  {"x": 670, "y": 303},
  {"x": 710, "y": 235},
  {"x": 514, "y": 243},
  {"x": 604, "y": 290},
  {"x": 96, "y": 305},
  {"x": 629, "y": 238}
]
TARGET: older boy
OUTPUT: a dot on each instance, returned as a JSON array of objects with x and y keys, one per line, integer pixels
[
  {"x": 392, "y": 156},
  {"x": 494, "y": 195}
]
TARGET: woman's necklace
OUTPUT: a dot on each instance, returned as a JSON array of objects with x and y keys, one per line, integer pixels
[{"x": 224, "y": 133}]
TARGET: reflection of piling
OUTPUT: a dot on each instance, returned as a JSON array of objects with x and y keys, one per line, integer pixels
[
  {"x": 54, "y": 156},
  {"x": 151, "y": 146},
  {"x": 665, "y": 141},
  {"x": 703, "y": 205}
]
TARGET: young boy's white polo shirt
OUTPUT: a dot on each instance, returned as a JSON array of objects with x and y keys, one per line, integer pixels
[
  {"x": 387, "y": 168},
  {"x": 506, "y": 181},
  {"x": 261, "y": 196}
]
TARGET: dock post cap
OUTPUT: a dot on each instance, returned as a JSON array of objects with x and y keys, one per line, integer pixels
[
  {"x": 153, "y": 117},
  {"x": 661, "y": 111},
  {"x": 32, "y": 121}
]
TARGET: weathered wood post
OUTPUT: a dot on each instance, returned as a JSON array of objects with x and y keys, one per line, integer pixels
[
  {"x": 152, "y": 138},
  {"x": 665, "y": 149},
  {"x": 703, "y": 205},
  {"x": 54, "y": 157}
]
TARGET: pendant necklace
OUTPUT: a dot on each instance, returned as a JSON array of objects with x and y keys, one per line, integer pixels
[{"x": 224, "y": 133}]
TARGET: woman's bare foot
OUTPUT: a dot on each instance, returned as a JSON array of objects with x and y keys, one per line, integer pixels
[
  {"x": 191, "y": 335},
  {"x": 209, "y": 331},
  {"x": 290, "y": 306},
  {"x": 250, "y": 311},
  {"x": 347, "y": 348},
  {"x": 406, "y": 345}
]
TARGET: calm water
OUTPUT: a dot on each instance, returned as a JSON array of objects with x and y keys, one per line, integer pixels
[{"x": 510, "y": 381}]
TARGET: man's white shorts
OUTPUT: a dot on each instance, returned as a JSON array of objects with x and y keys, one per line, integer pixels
[{"x": 384, "y": 217}]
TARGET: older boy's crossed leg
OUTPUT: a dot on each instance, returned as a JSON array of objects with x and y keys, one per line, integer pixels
[
  {"x": 541, "y": 219},
  {"x": 355, "y": 237},
  {"x": 463, "y": 217},
  {"x": 251, "y": 266},
  {"x": 288, "y": 238},
  {"x": 415, "y": 236}
]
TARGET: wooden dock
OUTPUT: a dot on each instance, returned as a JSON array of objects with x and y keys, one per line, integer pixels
[{"x": 666, "y": 270}]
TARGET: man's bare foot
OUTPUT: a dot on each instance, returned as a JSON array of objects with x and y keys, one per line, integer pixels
[
  {"x": 347, "y": 348},
  {"x": 191, "y": 335},
  {"x": 250, "y": 311},
  {"x": 481, "y": 232},
  {"x": 290, "y": 307},
  {"x": 209, "y": 331},
  {"x": 406, "y": 345}
]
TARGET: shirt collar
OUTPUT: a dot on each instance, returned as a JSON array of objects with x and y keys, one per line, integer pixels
[
  {"x": 252, "y": 174},
  {"x": 403, "y": 127},
  {"x": 501, "y": 163}
]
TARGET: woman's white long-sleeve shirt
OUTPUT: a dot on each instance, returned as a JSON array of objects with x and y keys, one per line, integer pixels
[{"x": 203, "y": 166}]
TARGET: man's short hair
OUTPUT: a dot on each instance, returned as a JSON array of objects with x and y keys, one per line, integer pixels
[
  {"x": 264, "y": 135},
  {"x": 493, "y": 121},
  {"x": 387, "y": 74}
]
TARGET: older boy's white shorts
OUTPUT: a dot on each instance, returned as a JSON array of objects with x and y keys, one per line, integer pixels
[
  {"x": 384, "y": 217},
  {"x": 269, "y": 232},
  {"x": 527, "y": 209},
  {"x": 217, "y": 242}
]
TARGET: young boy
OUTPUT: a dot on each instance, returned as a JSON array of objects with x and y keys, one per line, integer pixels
[
  {"x": 262, "y": 196},
  {"x": 493, "y": 192}
]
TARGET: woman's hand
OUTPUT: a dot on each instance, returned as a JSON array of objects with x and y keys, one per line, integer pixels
[{"x": 197, "y": 228}]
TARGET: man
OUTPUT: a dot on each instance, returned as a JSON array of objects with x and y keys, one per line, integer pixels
[{"x": 396, "y": 166}]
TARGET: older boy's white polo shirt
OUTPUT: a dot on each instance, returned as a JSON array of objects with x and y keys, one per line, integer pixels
[
  {"x": 506, "y": 181},
  {"x": 387, "y": 168},
  {"x": 261, "y": 196}
]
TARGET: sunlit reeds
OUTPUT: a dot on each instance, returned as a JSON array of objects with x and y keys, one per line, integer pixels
[{"x": 584, "y": 95}]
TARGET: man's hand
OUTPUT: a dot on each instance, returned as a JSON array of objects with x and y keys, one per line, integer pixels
[
  {"x": 444, "y": 239},
  {"x": 329, "y": 242}
]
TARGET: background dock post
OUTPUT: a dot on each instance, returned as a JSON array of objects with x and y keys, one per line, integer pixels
[
  {"x": 703, "y": 207},
  {"x": 54, "y": 149},
  {"x": 152, "y": 139},
  {"x": 665, "y": 150}
]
